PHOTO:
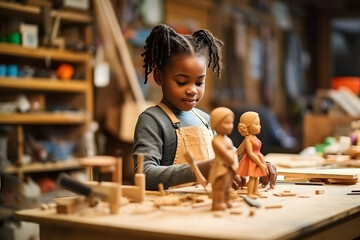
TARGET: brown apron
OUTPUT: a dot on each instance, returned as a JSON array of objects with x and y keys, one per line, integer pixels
[{"x": 194, "y": 139}]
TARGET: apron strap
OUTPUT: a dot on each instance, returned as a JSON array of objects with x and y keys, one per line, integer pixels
[
  {"x": 207, "y": 125},
  {"x": 175, "y": 121}
]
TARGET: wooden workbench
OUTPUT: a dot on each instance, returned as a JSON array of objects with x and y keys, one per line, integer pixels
[{"x": 331, "y": 215}]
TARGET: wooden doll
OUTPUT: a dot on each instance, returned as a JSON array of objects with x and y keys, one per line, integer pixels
[
  {"x": 225, "y": 163},
  {"x": 252, "y": 162}
]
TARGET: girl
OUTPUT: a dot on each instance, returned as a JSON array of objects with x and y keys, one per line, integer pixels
[
  {"x": 165, "y": 132},
  {"x": 252, "y": 162}
]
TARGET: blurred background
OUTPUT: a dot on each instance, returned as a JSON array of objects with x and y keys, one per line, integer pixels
[
  {"x": 280, "y": 58},
  {"x": 80, "y": 68},
  {"x": 72, "y": 81}
]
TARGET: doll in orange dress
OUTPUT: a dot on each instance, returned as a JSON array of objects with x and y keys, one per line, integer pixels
[{"x": 252, "y": 162}]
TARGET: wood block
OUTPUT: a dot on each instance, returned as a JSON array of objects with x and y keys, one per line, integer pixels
[
  {"x": 44, "y": 206},
  {"x": 111, "y": 190},
  {"x": 218, "y": 213},
  {"x": 236, "y": 211},
  {"x": 342, "y": 181},
  {"x": 168, "y": 200},
  {"x": 251, "y": 212},
  {"x": 69, "y": 205},
  {"x": 319, "y": 191},
  {"x": 285, "y": 193},
  {"x": 161, "y": 189},
  {"x": 344, "y": 173},
  {"x": 137, "y": 192},
  {"x": 288, "y": 194},
  {"x": 303, "y": 196},
  {"x": 200, "y": 198},
  {"x": 273, "y": 206},
  {"x": 206, "y": 203}
]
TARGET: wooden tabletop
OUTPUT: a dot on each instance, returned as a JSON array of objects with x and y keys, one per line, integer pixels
[{"x": 305, "y": 213}]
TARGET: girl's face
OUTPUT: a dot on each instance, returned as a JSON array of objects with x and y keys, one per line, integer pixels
[
  {"x": 226, "y": 126},
  {"x": 182, "y": 81},
  {"x": 255, "y": 127}
]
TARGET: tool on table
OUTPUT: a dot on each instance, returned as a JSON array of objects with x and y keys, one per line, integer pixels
[
  {"x": 354, "y": 192},
  {"x": 250, "y": 201},
  {"x": 78, "y": 187},
  {"x": 301, "y": 183},
  {"x": 93, "y": 192}
]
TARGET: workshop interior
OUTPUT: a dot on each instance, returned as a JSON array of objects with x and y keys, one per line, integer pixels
[{"x": 72, "y": 87}]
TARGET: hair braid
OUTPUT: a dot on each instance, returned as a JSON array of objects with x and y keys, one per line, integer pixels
[
  {"x": 163, "y": 42},
  {"x": 205, "y": 38}
]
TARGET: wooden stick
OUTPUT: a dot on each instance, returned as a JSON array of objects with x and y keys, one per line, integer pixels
[
  {"x": 198, "y": 175},
  {"x": 123, "y": 51},
  {"x": 161, "y": 189},
  {"x": 140, "y": 163},
  {"x": 273, "y": 206}
]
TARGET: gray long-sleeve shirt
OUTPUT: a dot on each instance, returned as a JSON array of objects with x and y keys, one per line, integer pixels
[{"x": 155, "y": 138}]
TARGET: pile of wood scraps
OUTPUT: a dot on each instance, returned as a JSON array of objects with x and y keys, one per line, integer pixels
[
  {"x": 331, "y": 169},
  {"x": 331, "y": 176},
  {"x": 294, "y": 160}
]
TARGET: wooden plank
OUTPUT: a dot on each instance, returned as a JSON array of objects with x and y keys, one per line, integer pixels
[
  {"x": 344, "y": 173},
  {"x": 286, "y": 160}
]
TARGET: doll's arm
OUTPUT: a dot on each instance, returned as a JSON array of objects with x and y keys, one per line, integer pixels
[
  {"x": 220, "y": 148},
  {"x": 241, "y": 148},
  {"x": 262, "y": 159}
]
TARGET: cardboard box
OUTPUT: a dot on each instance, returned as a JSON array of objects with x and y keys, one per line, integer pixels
[{"x": 29, "y": 35}]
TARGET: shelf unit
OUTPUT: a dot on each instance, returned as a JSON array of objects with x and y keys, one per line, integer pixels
[
  {"x": 76, "y": 92},
  {"x": 35, "y": 11}
]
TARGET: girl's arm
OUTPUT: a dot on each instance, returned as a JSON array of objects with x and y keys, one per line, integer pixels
[{"x": 158, "y": 165}]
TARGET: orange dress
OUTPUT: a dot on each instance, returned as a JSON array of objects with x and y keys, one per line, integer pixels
[{"x": 247, "y": 167}]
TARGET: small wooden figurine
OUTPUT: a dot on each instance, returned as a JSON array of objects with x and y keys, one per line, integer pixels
[
  {"x": 225, "y": 163},
  {"x": 252, "y": 162}
]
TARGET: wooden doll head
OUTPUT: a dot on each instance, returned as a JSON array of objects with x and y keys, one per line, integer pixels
[
  {"x": 219, "y": 116},
  {"x": 249, "y": 123}
]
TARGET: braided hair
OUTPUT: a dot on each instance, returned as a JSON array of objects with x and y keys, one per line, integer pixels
[
  {"x": 246, "y": 119},
  {"x": 163, "y": 42}
]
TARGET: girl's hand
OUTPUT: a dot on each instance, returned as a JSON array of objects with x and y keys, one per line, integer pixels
[
  {"x": 270, "y": 177},
  {"x": 239, "y": 182}
]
